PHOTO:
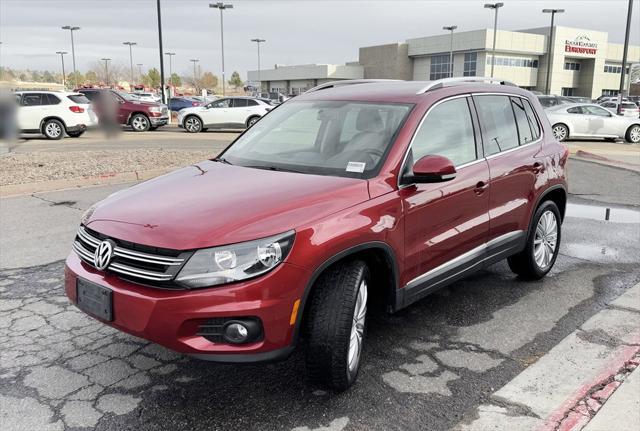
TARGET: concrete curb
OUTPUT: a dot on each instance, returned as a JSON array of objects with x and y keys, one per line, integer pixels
[{"x": 13, "y": 190}]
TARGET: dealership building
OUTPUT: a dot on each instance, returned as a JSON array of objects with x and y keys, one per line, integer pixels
[{"x": 581, "y": 62}]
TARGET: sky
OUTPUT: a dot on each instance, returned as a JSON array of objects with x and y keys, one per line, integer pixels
[{"x": 297, "y": 31}]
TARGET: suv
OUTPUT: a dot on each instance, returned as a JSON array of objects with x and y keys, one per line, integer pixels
[
  {"x": 54, "y": 113},
  {"x": 342, "y": 201},
  {"x": 140, "y": 115},
  {"x": 227, "y": 113},
  {"x": 627, "y": 109},
  {"x": 548, "y": 101}
]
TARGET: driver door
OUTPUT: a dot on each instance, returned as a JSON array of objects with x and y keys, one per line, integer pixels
[
  {"x": 601, "y": 121},
  {"x": 218, "y": 113},
  {"x": 447, "y": 223}
]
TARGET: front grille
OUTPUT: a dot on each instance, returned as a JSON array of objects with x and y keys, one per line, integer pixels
[{"x": 137, "y": 262}]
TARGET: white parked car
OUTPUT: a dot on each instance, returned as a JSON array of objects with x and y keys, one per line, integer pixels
[
  {"x": 588, "y": 120},
  {"x": 148, "y": 97},
  {"x": 54, "y": 113},
  {"x": 628, "y": 109},
  {"x": 227, "y": 113}
]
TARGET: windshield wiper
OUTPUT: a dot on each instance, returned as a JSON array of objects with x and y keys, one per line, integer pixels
[
  {"x": 274, "y": 168},
  {"x": 223, "y": 160}
]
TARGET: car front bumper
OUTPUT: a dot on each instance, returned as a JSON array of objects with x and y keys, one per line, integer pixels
[
  {"x": 158, "y": 121},
  {"x": 171, "y": 318}
]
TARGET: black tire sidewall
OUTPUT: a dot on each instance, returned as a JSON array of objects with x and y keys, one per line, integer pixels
[
  {"x": 55, "y": 138},
  {"x": 251, "y": 121},
  {"x": 544, "y": 207}
]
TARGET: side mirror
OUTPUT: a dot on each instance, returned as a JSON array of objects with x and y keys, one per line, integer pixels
[{"x": 431, "y": 169}]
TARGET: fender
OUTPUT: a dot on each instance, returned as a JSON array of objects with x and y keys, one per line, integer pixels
[{"x": 52, "y": 117}]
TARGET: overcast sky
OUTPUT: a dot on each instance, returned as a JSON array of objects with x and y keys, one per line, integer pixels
[{"x": 297, "y": 31}]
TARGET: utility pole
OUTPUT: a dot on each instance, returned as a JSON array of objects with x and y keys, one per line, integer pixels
[
  {"x": 494, "y": 6},
  {"x": 164, "y": 97},
  {"x": 106, "y": 68},
  {"x": 553, "y": 13},
  {"x": 73, "y": 52},
  {"x": 194, "y": 61},
  {"x": 624, "y": 56},
  {"x": 64, "y": 78},
  {"x": 450, "y": 28},
  {"x": 222, "y": 7},
  {"x": 170, "y": 54},
  {"x": 258, "y": 41},
  {"x": 131, "y": 60},
  {"x": 139, "y": 71}
]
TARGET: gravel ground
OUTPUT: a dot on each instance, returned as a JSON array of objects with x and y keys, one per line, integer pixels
[{"x": 43, "y": 166}]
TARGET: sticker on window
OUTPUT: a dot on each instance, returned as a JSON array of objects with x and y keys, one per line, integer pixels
[{"x": 356, "y": 167}]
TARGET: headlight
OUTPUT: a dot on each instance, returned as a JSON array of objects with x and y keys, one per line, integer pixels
[
  {"x": 226, "y": 264},
  {"x": 155, "y": 109}
]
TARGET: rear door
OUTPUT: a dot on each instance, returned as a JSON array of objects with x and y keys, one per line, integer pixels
[
  {"x": 449, "y": 220},
  {"x": 31, "y": 111},
  {"x": 240, "y": 111},
  {"x": 511, "y": 139},
  {"x": 579, "y": 121}
]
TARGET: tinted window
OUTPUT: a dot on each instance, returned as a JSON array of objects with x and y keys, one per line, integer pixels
[
  {"x": 525, "y": 132},
  {"x": 446, "y": 131},
  {"x": 78, "y": 98},
  {"x": 32, "y": 99},
  {"x": 629, "y": 106},
  {"x": 252, "y": 102},
  {"x": 239, "y": 103},
  {"x": 497, "y": 123},
  {"x": 222, "y": 103},
  {"x": 533, "y": 120},
  {"x": 596, "y": 110},
  {"x": 50, "y": 99},
  {"x": 575, "y": 110},
  {"x": 609, "y": 105},
  {"x": 91, "y": 95}
]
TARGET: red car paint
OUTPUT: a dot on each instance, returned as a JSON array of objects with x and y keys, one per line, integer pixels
[{"x": 416, "y": 228}]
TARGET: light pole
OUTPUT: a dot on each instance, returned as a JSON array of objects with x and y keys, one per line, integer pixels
[
  {"x": 258, "y": 41},
  {"x": 170, "y": 54},
  {"x": 106, "y": 67},
  {"x": 624, "y": 56},
  {"x": 73, "y": 52},
  {"x": 494, "y": 6},
  {"x": 64, "y": 78},
  {"x": 160, "y": 50},
  {"x": 131, "y": 60},
  {"x": 194, "y": 61},
  {"x": 450, "y": 28},
  {"x": 139, "y": 71},
  {"x": 222, "y": 7},
  {"x": 553, "y": 13}
]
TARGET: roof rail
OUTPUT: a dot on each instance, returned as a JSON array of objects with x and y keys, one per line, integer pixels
[
  {"x": 342, "y": 83},
  {"x": 448, "y": 81}
]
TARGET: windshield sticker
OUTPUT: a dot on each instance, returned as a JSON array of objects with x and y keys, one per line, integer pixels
[{"x": 356, "y": 167}]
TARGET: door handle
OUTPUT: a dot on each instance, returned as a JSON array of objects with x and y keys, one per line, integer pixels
[
  {"x": 537, "y": 168},
  {"x": 480, "y": 187}
]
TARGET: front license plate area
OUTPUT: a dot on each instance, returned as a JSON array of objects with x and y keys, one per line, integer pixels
[{"x": 95, "y": 299}]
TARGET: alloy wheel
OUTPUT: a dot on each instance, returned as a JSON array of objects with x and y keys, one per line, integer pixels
[
  {"x": 634, "y": 134},
  {"x": 545, "y": 242},
  {"x": 357, "y": 327},
  {"x": 192, "y": 124},
  {"x": 140, "y": 123},
  {"x": 53, "y": 130},
  {"x": 560, "y": 132}
]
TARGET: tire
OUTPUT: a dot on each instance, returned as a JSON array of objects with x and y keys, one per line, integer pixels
[
  {"x": 540, "y": 253},
  {"x": 610, "y": 139},
  {"x": 252, "y": 120},
  {"x": 75, "y": 134},
  {"x": 53, "y": 129},
  {"x": 140, "y": 123},
  {"x": 560, "y": 132},
  {"x": 192, "y": 124},
  {"x": 335, "y": 325},
  {"x": 152, "y": 128},
  {"x": 633, "y": 134}
]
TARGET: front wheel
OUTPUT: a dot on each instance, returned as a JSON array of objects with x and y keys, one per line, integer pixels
[
  {"x": 543, "y": 244},
  {"x": 335, "y": 325},
  {"x": 560, "y": 132},
  {"x": 140, "y": 123},
  {"x": 633, "y": 134},
  {"x": 53, "y": 129},
  {"x": 192, "y": 124}
]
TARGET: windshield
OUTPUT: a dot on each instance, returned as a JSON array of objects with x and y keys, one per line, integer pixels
[{"x": 349, "y": 139}]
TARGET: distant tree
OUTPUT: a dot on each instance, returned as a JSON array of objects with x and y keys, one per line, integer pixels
[
  {"x": 47, "y": 76},
  {"x": 73, "y": 81},
  {"x": 153, "y": 78},
  {"x": 235, "y": 80},
  {"x": 208, "y": 81},
  {"x": 36, "y": 76},
  {"x": 176, "y": 80},
  {"x": 23, "y": 76},
  {"x": 91, "y": 77}
]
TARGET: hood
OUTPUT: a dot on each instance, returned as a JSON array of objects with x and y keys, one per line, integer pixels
[{"x": 210, "y": 204}]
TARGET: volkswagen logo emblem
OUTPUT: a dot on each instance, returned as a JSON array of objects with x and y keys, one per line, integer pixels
[{"x": 103, "y": 255}]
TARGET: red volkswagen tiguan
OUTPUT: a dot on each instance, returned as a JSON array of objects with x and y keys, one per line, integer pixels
[{"x": 354, "y": 194}]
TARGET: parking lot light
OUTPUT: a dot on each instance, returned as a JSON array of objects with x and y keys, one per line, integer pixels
[
  {"x": 131, "y": 59},
  {"x": 258, "y": 41},
  {"x": 194, "y": 61},
  {"x": 222, "y": 7},
  {"x": 494, "y": 6},
  {"x": 106, "y": 67},
  {"x": 553, "y": 13},
  {"x": 450, "y": 28},
  {"x": 73, "y": 52},
  {"x": 64, "y": 79},
  {"x": 170, "y": 54}
]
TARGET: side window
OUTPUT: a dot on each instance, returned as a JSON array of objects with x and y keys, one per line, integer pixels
[
  {"x": 239, "y": 103},
  {"x": 251, "y": 102},
  {"x": 447, "y": 131},
  {"x": 497, "y": 123},
  {"x": 575, "y": 110},
  {"x": 532, "y": 119},
  {"x": 31, "y": 99},
  {"x": 50, "y": 99},
  {"x": 596, "y": 110},
  {"x": 223, "y": 103},
  {"x": 524, "y": 129}
]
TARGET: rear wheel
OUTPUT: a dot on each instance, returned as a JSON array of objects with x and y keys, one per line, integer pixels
[
  {"x": 543, "y": 243},
  {"x": 560, "y": 132},
  {"x": 140, "y": 123},
  {"x": 53, "y": 129},
  {"x": 335, "y": 325},
  {"x": 192, "y": 124},
  {"x": 633, "y": 134},
  {"x": 251, "y": 121}
]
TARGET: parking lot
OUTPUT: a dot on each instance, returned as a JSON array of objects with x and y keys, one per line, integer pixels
[{"x": 436, "y": 365}]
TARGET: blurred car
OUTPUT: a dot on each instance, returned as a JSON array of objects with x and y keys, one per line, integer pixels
[
  {"x": 147, "y": 97},
  {"x": 627, "y": 109},
  {"x": 578, "y": 99},
  {"x": 54, "y": 113},
  {"x": 603, "y": 99},
  {"x": 548, "y": 101},
  {"x": 227, "y": 113},
  {"x": 178, "y": 103},
  {"x": 131, "y": 111},
  {"x": 588, "y": 120}
]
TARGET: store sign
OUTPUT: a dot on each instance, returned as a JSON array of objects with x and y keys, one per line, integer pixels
[{"x": 581, "y": 45}]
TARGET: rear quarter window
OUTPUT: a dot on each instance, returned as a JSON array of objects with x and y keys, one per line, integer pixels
[
  {"x": 497, "y": 122},
  {"x": 79, "y": 98}
]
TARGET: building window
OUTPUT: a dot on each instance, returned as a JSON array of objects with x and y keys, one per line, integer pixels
[
  {"x": 514, "y": 62},
  {"x": 610, "y": 92},
  {"x": 470, "y": 60},
  {"x": 567, "y": 91},
  {"x": 439, "y": 67},
  {"x": 614, "y": 69},
  {"x": 571, "y": 65}
]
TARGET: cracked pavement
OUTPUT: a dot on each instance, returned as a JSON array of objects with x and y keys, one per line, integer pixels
[{"x": 435, "y": 365}]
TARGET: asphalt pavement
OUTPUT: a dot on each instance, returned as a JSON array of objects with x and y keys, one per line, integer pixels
[{"x": 448, "y": 361}]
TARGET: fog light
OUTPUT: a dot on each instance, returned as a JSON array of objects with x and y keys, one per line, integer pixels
[{"x": 236, "y": 332}]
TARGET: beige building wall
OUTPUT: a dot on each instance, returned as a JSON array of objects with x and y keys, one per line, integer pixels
[{"x": 389, "y": 61}]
